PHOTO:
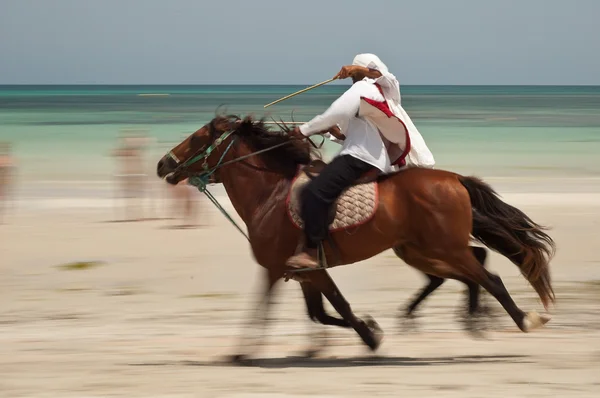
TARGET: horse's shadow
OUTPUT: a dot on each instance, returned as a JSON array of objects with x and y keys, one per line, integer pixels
[{"x": 346, "y": 362}]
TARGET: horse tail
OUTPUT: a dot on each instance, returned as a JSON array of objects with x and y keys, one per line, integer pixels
[{"x": 510, "y": 232}]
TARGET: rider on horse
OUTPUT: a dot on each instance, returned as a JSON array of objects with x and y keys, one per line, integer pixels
[{"x": 367, "y": 146}]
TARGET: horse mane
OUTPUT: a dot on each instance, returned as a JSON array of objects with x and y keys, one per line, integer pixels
[{"x": 284, "y": 159}]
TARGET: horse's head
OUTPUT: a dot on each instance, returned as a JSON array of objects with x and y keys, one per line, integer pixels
[
  {"x": 206, "y": 150},
  {"x": 199, "y": 152}
]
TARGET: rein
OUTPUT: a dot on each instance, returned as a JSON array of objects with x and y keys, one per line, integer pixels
[{"x": 202, "y": 180}]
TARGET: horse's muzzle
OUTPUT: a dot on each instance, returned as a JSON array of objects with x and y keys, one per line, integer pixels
[{"x": 166, "y": 168}]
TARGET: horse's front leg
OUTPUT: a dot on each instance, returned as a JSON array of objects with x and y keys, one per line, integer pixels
[
  {"x": 317, "y": 314},
  {"x": 257, "y": 321},
  {"x": 368, "y": 330}
]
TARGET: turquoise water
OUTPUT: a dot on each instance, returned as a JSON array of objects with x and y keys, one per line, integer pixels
[{"x": 67, "y": 132}]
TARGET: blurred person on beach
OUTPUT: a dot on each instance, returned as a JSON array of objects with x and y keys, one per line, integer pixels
[
  {"x": 131, "y": 175},
  {"x": 7, "y": 176},
  {"x": 185, "y": 204}
]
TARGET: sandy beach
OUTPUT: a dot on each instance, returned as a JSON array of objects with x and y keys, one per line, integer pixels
[
  {"x": 115, "y": 284},
  {"x": 163, "y": 307}
]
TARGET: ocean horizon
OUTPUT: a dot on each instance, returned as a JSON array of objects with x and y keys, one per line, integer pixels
[{"x": 65, "y": 132}]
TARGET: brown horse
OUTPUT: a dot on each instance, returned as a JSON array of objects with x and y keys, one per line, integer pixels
[{"x": 426, "y": 216}]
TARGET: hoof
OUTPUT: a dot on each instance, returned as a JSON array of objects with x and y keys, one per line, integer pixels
[
  {"x": 376, "y": 331},
  {"x": 533, "y": 320}
]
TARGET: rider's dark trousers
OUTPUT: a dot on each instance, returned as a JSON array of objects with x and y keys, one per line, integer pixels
[{"x": 322, "y": 192}]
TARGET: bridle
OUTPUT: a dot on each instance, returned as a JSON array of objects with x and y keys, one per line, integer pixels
[
  {"x": 203, "y": 154},
  {"x": 201, "y": 179}
]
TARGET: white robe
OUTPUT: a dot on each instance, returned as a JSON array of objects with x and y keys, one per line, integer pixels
[
  {"x": 419, "y": 154},
  {"x": 363, "y": 140}
]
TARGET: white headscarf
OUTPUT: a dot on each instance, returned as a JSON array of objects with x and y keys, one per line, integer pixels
[
  {"x": 370, "y": 61},
  {"x": 388, "y": 82}
]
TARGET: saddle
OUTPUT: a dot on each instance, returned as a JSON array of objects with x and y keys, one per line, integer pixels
[{"x": 355, "y": 206}]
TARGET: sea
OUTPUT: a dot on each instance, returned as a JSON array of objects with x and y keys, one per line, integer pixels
[{"x": 66, "y": 133}]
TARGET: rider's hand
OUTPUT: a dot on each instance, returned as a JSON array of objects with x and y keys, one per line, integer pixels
[
  {"x": 296, "y": 133},
  {"x": 357, "y": 72},
  {"x": 335, "y": 131},
  {"x": 349, "y": 71}
]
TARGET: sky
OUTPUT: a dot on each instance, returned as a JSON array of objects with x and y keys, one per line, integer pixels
[{"x": 298, "y": 42}]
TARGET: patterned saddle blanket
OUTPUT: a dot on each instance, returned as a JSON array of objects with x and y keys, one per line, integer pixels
[{"x": 354, "y": 207}]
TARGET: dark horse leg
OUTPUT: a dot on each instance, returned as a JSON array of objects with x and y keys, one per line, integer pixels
[
  {"x": 368, "y": 330},
  {"x": 313, "y": 295},
  {"x": 316, "y": 312},
  {"x": 467, "y": 265},
  {"x": 435, "y": 282},
  {"x": 480, "y": 254}
]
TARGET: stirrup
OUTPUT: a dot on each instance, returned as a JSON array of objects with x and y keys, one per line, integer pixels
[{"x": 321, "y": 260}]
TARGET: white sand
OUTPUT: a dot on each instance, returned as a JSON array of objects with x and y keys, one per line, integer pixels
[{"x": 156, "y": 318}]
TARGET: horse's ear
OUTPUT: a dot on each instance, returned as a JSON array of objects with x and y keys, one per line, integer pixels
[
  {"x": 221, "y": 110},
  {"x": 236, "y": 122},
  {"x": 226, "y": 123}
]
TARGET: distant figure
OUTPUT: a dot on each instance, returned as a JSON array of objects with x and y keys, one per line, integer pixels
[
  {"x": 7, "y": 176},
  {"x": 131, "y": 176},
  {"x": 182, "y": 201},
  {"x": 185, "y": 197}
]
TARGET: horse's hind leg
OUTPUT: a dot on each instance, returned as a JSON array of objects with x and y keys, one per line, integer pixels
[
  {"x": 369, "y": 330},
  {"x": 435, "y": 282},
  {"x": 473, "y": 320},
  {"x": 480, "y": 254},
  {"x": 467, "y": 266}
]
